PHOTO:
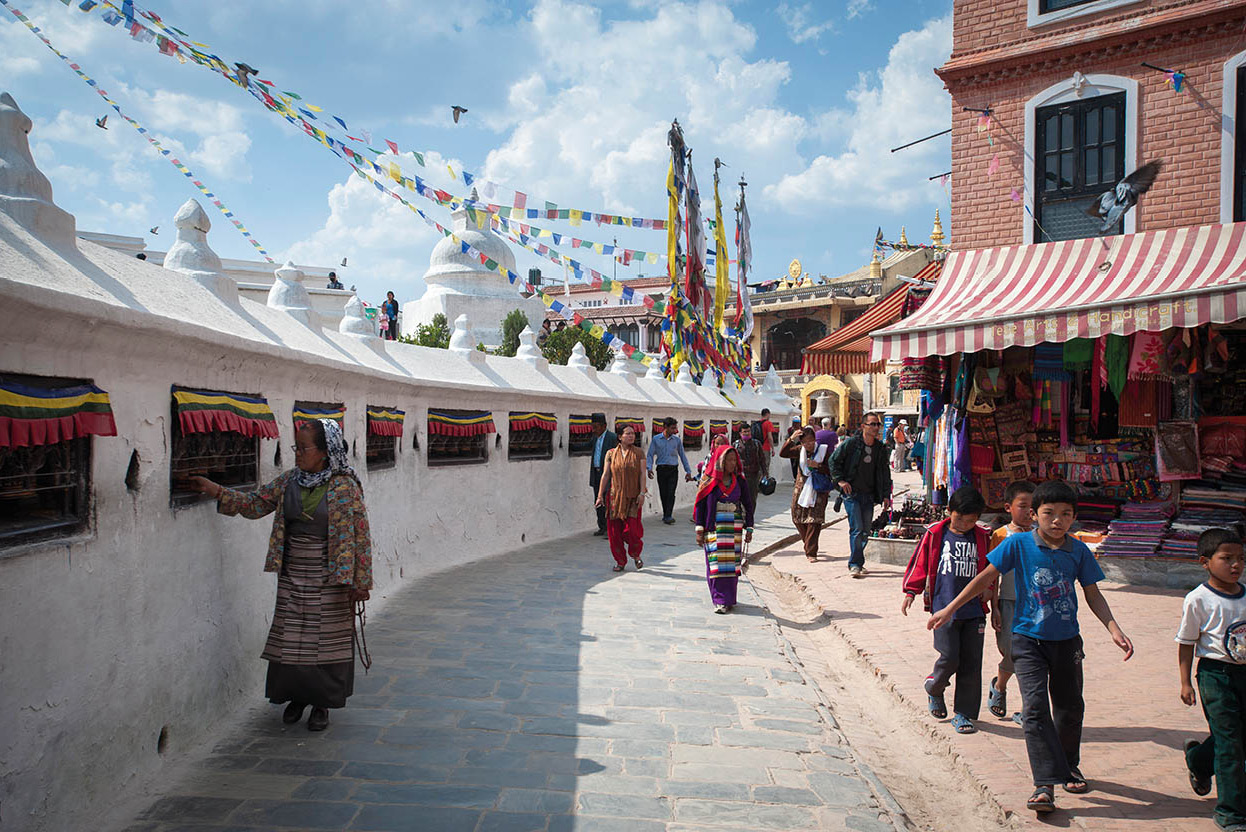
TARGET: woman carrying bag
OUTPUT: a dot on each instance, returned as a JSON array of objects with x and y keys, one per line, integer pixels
[{"x": 813, "y": 487}]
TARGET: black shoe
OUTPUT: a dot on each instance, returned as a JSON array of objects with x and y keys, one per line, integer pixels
[
  {"x": 670, "y": 521},
  {"x": 1200, "y": 785},
  {"x": 293, "y": 713},
  {"x": 599, "y": 533},
  {"x": 319, "y": 719}
]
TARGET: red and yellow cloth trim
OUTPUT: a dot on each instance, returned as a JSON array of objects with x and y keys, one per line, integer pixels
[
  {"x": 718, "y": 426},
  {"x": 625, "y": 421},
  {"x": 659, "y": 425},
  {"x": 385, "y": 421},
  {"x": 311, "y": 414},
  {"x": 528, "y": 421},
  {"x": 738, "y": 425},
  {"x": 694, "y": 429},
  {"x": 203, "y": 411},
  {"x": 580, "y": 424},
  {"x": 42, "y": 416},
  {"x": 469, "y": 423}
]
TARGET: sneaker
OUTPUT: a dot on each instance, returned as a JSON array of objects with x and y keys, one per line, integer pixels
[
  {"x": 720, "y": 609},
  {"x": 1200, "y": 785},
  {"x": 856, "y": 572},
  {"x": 599, "y": 533},
  {"x": 670, "y": 521}
]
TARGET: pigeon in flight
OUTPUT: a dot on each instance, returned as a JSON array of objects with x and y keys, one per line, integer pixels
[
  {"x": 245, "y": 72},
  {"x": 343, "y": 263},
  {"x": 1113, "y": 204},
  {"x": 155, "y": 229},
  {"x": 102, "y": 123},
  {"x": 458, "y": 111}
]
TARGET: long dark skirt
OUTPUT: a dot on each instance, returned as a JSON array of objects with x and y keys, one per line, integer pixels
[{"x": 310, "y": 651}]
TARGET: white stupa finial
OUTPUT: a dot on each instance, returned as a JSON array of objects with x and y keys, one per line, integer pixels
[
  {"x": 709, "y": 380},
  {"x": 354, "y": 322},
  {"x": 25, "y": 193},
  {"x": 528, "y": 350},
  {"x": 289, "y": 294},
  {"x": 621, "y": 365},
  {"x": 684, "y": 376},
  {"x": 655, "y": 371},
  {"x": 191, "y": 255},
  {"x": 461, "y": 338},
  {"x": 579, "y": 358}
]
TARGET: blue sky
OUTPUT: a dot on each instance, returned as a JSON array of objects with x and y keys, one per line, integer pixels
[{"x": 568, "y": 102}]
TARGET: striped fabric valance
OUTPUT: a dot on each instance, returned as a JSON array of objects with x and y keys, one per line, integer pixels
[
  {"x": 45, "y": 416},
  {"x": 696, "y": 428},
  {"x": 385, "y": 421},
  {"x": 528, "y": 421},
  {"x": 632, "y": 421},
  {"x": 203, "y": 411},
  {"x": 718, "y": 426},
  {"x": 738, "y": 425},
  {"x": 659, "y": 425},
  {"x": 580, "y": 424},
  {"x": 460, "y": 423},
  {"x": 310, "y": 414}
]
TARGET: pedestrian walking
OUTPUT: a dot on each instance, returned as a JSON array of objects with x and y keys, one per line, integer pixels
[
  {"x": 622, "y": 495},
  {"x": 1047, "y": 650},
  {"x": 1018, "y": 499},
  {"x": 808, "y": 503},
  {"x": 321, "y": 550},
  {"x": 667, "y": 450},
  {"x": 1213, "y": 627},
  {"x": 795, "y": 428},
  {"x": 949, "y": 556},
  {"x": 390, "y": 310},
  {"x": 827, "y": 435},
  {"x": 860, "y": 469},
  {"x": 767, "y": 441},
  {"x": 603, "y": 441},
  {"x": 723, "y": 514},
  {"x": 900, "y": 454},
  {"x": 717, "y": 441},
  {"x": 748, "y": 448}
]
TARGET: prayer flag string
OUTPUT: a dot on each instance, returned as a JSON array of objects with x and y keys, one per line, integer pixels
[{"x": 173, "y": 160}]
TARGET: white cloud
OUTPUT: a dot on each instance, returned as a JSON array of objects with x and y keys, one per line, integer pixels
[
  {"x": 902, "y": 102},
  {"x": 856, "y": 8},
  {"x": 800, "y": 20}
]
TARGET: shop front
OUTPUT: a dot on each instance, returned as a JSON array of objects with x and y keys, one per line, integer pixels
[{"x": 1115, "y": 364}]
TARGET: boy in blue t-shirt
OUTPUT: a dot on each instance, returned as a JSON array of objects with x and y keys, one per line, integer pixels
[{"x": 1046, "y": 645}]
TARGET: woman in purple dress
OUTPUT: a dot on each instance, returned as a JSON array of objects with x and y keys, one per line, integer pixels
[{"x": 724, "y": 517}]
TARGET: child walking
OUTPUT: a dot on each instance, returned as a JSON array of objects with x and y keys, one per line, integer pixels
[
  {"x": 1018, "y": 499},
  {"x": 950, "y": 555},
  {"x": 1213, "y": 627},
  {"x": 1046, "y": 645}
]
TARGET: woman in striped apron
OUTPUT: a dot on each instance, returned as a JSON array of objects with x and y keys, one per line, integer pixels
[
  {"x": 724, "y": 517},
  {"x": 321, "y": 550}
]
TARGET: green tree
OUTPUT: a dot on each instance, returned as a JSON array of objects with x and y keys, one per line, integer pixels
[
  {"x": 512, "y": 325},
  {"x": 559, "y": 343},
  {"x": 436, "y": 334}
]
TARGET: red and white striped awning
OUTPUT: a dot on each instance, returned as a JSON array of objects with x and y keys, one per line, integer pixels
[{"x": 1023, "y": 295}]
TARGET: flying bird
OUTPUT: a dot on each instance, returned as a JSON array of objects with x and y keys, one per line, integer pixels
[
  {"x": 244, "y": 72},
  {"x": 155, "y": 229},
  {"x": 1113, "y": 204},
  {"x": 458, "y": 111},
  {"x": 343, "y": 263},
  {"x": 102, "y": 123}
]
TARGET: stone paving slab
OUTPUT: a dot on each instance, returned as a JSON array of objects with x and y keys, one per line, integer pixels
[{"x": 541, "y": 691}]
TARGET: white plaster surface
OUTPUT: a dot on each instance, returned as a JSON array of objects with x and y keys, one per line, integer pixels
[{"x": 155, "y": 618}]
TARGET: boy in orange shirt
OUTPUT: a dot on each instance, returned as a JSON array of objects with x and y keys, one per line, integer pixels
[{"x": 1017, "y": 500}]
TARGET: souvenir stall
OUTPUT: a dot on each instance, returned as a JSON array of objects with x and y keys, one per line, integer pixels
[{"x": 1138, "y": 404}]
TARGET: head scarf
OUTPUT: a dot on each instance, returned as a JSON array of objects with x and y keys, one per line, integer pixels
[
  {"x": 715, "y": 477},
  {"x": 338, "y": 463}
]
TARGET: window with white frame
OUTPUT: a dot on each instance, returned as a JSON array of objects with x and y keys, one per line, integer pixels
[{"x": 1079, "y": 152}]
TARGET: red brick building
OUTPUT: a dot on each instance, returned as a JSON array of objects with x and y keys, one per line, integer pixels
[{"x": 1073, "y": 109}]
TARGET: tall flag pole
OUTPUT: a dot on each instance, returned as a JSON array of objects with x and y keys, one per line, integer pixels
[
  {"x": 744, "y": 258},
  {"x": 672, "y": 343},
  {"x": 722, "y": 276}
]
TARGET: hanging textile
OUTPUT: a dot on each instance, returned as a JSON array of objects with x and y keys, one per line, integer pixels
[
  {"x": 659, "y": 425},
  {"x": 694, "y": 429},
  {"x": 1176, "y": 451},
  {"x": 625, "y": 421},
  {"x": 1116, "y": 358},
  {"x": 312, "y": 414},
  {"x": 1138, "y": 405},
  {"x": 1148, "y": 359},
  {"x": 1078, "y": 353},
  {"x": 718, "y": 426},
  {"x": 460, "y": 423},
  {"x": 44, "y": 416},
  {"x": 580, "y": 424},
  {"x": 920, "y": 373},
  {"x": 528, "y": 421},
  {"x": 202, "y": 411},
  {"x": 385, "y": 421},
  {"x": 1049, "y": 362}
]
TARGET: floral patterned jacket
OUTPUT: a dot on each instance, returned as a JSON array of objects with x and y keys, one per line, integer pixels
[{"x": 350, "y": 541}]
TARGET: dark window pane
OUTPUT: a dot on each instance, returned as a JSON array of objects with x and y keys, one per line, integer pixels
[
  {"x": 1092, "y": 127},
  {"x": 1092, "y": 165},
  {"x": 1239, "y": 162},
  {"x": 1109, "y": 163},
  {"x": 1066, "y": 170},
  {"x": 1066, "y": 131},
  {"x": 1053, "y": 134},
  {"x": 1055, "y": 5},
  {"x": 1109, "y": 124},
  {"x": 1051, "y": 181}
]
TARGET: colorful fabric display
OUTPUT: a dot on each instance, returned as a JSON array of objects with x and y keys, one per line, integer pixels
[
  {"x": 460, "y": 423},
  {"x": 632, "y": 421},
  {"x": 718, "y": 426},
  {"x": 44, "y": 416},
  {"x": 201, "y": 411},
  {"x": 528, "y": 421},
  {"x": 1049, "y": 362},
  {"x": 1148, "y": 359},
  {"x": 385, "y": 421},
  {"x": 694, "y": 429},
  {"x": 580, "y": 424},
  {"x": 310, "y": 414}
]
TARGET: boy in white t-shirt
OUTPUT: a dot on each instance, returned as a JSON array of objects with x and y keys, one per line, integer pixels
[{"x": 1213, "y": 627}]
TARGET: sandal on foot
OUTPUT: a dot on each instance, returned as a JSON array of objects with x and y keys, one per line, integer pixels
[
  {"x": 640, "y": 564},
  {"x": 997, "y": 700},
  {"x": 1017, "y": 719},
  {"x": 618, "y": 567},
  {"x": 1076, "y": 784},
  {"x": 963, "y": 724},
  {"x": 1042, "y": 801},
  {"x": 1200, "y": 785},
  {"x": 938, "y": 708}
]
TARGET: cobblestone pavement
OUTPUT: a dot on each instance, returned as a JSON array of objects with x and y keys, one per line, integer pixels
[
  {"x": 1135, "y": 724},
  {"x": 541, "y": 691}
]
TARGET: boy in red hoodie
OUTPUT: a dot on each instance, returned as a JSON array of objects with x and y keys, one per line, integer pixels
[{"x": 950, "y": 555}]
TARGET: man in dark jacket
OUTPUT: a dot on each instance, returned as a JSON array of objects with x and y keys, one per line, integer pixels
[
  {"x": 860, "y": 468},
  {"x": 603, "y": 440}
]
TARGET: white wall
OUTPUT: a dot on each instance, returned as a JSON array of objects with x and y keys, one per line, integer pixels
[{"x": 155, "y": 617}]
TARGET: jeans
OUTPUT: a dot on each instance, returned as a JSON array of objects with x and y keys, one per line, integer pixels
[
  {"x": 668, "y": 478},
  {"x": 860, "y": 508},
  {"x": 959, "y": 643},
  {"x": 1049, "y": 674},
  {"x": 1222, "y": 687}
]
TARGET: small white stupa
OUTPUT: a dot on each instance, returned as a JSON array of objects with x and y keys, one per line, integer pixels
[
  {"x": 458, "y": 283},
  {"x": 191, "y": 255},
  {"x": 25, "y": 193}
]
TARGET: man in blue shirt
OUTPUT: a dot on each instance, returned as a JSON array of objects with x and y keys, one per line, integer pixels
[
  {"x": 604, "y": 440},
  {"x": 668, "y": 449}
]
